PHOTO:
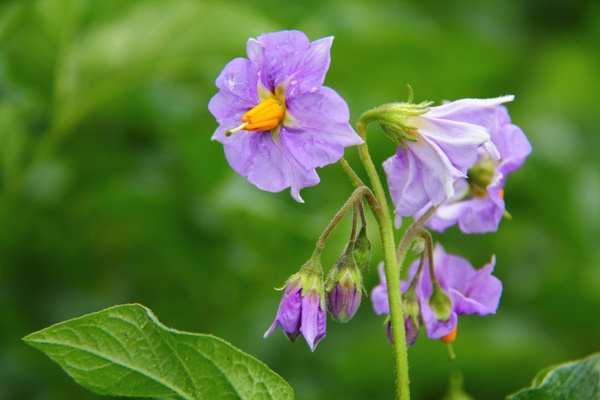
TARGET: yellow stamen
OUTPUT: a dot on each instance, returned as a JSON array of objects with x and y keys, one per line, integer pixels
[
  {"x": 267, "y": 115},
  {"x": 501, "y": 193}
]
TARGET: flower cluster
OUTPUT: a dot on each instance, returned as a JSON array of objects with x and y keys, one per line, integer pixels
[
  {"x": 307, "y": 297},
  {"x": 469, "y": 291},
  {"x": 278, "y": 123}
]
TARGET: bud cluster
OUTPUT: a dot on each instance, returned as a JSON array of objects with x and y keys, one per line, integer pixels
[{"x": 306, "y": 296}]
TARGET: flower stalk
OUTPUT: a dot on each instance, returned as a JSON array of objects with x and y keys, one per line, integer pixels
[{"x": 392, "y": 270}]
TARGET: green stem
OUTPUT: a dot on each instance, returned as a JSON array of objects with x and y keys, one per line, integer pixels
[
  {"x": 392, "y": 269},
  {"x": 356, "y": 196},
  {"x": 357, "y": 182},
  {"x": 424, "y": 233}
]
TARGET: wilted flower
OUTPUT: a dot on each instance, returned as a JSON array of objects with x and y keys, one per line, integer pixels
[
  {"x": 478, "y": 203},
  {"x": 277, "y": 122},
  {"x": 440, "y": 145},
  {"x": 302, "y": 308}
]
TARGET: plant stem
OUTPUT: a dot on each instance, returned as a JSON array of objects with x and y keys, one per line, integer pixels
[
  {"x": 357, "y": 182},
  {"x": 356, "y": 196},
  {"x": 392, "y": 269}
]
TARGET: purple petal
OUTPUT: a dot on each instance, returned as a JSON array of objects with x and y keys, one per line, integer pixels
[
  {"x": 457, "y": 140},
  {"x": 511, "y": 143},
  {"x": 288, "y": 58},
  {"x": 480, "y": 112},
  {"x": 343, "y": 301},
  {"x": 435, "y": 328},
  {"x": 267, "y": 164},
  {"x": 411, "y": 332},
  {"x": 319, "y": 128},
  {"x": 313, "y": 319},
  {"x": 379, "y": 295},
  {"x": 405, "y": 183},
  {"x": 289, "y": 312},
  {"x": 482, "y": 293}
]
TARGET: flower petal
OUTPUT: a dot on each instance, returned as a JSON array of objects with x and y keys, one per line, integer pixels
[
  {"x": 319, "y": 130},
  {"x": 417, "y": 176},
  {"x": 289, "y": 312},
  {"x": 482, "y": 292},
  {"x": 379, "y": 294},
  {"x": 313, "y": 319},
  {"x": 288, "y": 58}
]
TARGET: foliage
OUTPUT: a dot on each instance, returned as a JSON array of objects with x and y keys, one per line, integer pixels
[
  {"x": 577, "y": 380},
  {"x": 126, "y": 351}
]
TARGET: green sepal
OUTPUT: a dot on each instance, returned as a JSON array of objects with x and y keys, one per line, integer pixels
[{"x": 394, "y": 119}]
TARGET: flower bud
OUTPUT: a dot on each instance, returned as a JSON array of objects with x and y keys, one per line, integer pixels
[
  {"x": 419, "y": 245},
  {"x": 344, "y": 287},
  {"x": 410, "y": 302},
  {"x": 411, "y": 331},
  {"x": 362, "y": 249},
  {"x": 440, "y": 303}
]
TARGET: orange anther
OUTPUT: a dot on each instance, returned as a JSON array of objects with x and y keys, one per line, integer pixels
[
  {"x": 449, "y": 338},
  {"x": 265, "y": 116}
]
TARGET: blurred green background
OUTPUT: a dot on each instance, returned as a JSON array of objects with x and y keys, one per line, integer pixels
[{"x": 112, "y": 192}]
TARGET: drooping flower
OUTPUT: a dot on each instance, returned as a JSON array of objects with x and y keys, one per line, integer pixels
[
  {"x": 440, "y": 145},
  {"x": 470, "y": 291},
  {"x": 478, "y": 203},
  {"x": 277, "y": 122},
  {"x": 302, "y": 308}
]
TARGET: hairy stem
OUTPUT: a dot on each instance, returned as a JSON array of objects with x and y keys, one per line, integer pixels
[
  {"x": 356, "y": 196},
  {"x": 392, "y": 269}
]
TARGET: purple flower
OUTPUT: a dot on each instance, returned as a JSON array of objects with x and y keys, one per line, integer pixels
[
  {"x": 443, "y": 146},
  {"x": 302, "y": 308},
  {"x": 277, "y": 122},
  {"x": 470, "y": 291},
  {"x": 478, "y": 203}
]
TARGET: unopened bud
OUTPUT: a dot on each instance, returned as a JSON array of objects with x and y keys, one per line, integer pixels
[
  {"x": 362, "y": 249},
  {"x": 410, "y": 302},
  {"x": 344, "y": 287},
  {"x": 440, "y": 303},
  {"x": 419, "y": 245}
]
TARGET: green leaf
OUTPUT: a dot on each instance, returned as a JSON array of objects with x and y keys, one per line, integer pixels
[
  {"x": 126, "y": 351},
  {"x": 577, "y": 380}
]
